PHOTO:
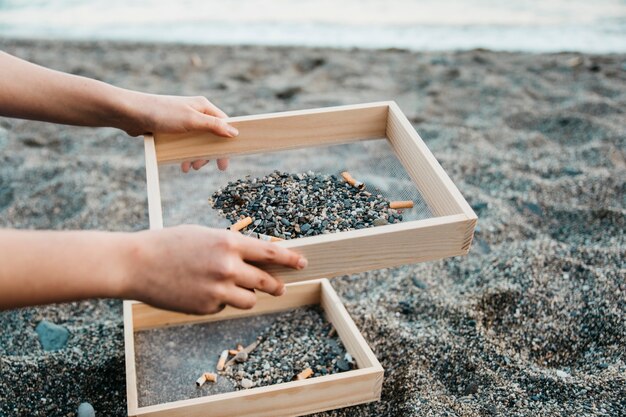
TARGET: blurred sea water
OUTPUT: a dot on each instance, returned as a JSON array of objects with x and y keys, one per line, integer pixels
[{"x": 524, "y": 25}]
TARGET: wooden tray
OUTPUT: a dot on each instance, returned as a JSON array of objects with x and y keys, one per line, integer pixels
[
  {"x": 449, "y": 233},
  {"x": 287, "y": 399}
]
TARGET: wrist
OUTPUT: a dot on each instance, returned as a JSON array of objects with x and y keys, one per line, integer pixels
[
  {"x": 123, "y": 273},
  {"x": 133, "y": 115}
]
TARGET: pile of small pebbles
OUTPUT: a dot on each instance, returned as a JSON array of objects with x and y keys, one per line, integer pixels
[
  {"x": 301, "y": 339},
  {"x": 289, "y": 206}
]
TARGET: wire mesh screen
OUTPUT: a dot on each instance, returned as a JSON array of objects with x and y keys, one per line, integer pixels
[{"x": 191, "y": 198}]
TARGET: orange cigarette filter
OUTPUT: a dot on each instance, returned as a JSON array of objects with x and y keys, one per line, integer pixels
[
  {"x": 401, "y": 204},
  {"x": 304, "y": 374},
  {"x": 207, "y": 376},
  {"x": 233, "y": 352},
  {"x": 245, "y": 222},
  {"x": 350, "y": 180}
]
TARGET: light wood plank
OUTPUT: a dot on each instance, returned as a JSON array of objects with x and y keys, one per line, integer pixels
[
  {"x": 441, "y": 195},
  {"x": 361, "y": 250},
  {"x": 294, "y": 398},
  {"x": 129, "y": 357},
  {"x": 298, "y": 294},
  {"x": 346, "y": 329},
  {"x": 155, "y": 212},
  {"x": 278, "y": 131}
]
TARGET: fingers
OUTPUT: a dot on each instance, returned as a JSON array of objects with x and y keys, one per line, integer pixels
[
  {"x": 186, "y": 166},
  {"x": 249, "y": 276},
  {"x": 215, "y": 125},
  {"x": 199, "y": 164},
  {"x": 239, "y": 297},
  {"x": 211, "y": 109},
  {"x": 222, "y": 164},
  {"x": 267, "y": 252}
]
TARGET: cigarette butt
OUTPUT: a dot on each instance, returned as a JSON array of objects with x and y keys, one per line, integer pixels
[
  {"x": 269, "y": 238},
  {"x": 239, "y": 347},
  {"x": 332, "y": 332},
  {"x": 247, "y": 349},
  {"x": 222, "y": 360},
  {"x": 233, "y": 352},
  {"x": 200, "y": 381},
  {"x": 243, "y": 223},
  {"x": 401, "y": 204},
  {"x": 266, "y": 238},
  {"x": 350, "y": 180},
  {"x": 210, "y": 376},
  {"x": 304, "y": 374}
]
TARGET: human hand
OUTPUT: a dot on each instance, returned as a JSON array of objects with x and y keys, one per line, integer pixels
[
  {"x": 175, "y": 114},
  {"x": 197, "y": 270}
]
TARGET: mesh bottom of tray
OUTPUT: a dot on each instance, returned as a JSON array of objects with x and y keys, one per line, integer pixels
[{"x": 185, "y": 196}]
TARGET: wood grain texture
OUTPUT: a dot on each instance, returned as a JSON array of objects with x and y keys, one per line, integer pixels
[
  {"x": 346, "y": 329},
  {"x": 298, "y": 294},
  {"x": 281, "y": 400},
  {"x": 439, "y": 192},
  {"x": 294, "y": 398},
  {"x": 361, "y": 250},
  {"x": 155, "y": 211},
  {"x": 278, "y": 131},
  {"x": 129, "y": 357}
]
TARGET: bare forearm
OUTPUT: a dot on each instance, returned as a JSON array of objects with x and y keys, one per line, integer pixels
[
  {"x": 38, "y": 267},
  {"x": 29, "y": 91}
]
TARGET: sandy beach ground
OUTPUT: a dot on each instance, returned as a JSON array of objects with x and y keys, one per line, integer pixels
[{"x": 530, "y": 323}]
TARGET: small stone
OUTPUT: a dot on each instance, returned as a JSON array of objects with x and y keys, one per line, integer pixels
[
  {"x": 241, "y": 357},
  {"x": 380, "y": 222},
  {"x": 246, "y": 383},
  {"x": 52, "y": 336},
  {"x": 471, "y": 388},
  {"x": 419, "y": 284},
  {"x": 343, "y": 365},
  {"x": 562, "y": 374},
  {"x": 86, "y": 410}
]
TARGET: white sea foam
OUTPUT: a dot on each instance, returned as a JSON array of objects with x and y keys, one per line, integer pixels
[{"x": 525, "y": 25}]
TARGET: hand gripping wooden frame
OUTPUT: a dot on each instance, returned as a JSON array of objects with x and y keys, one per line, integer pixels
[{"x": 448, "y": 233}]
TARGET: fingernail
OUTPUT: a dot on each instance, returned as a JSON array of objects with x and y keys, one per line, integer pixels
[
  {"x": 232, "y": 131},
  {"x": 283, "y": 291},
  {"x": 302, "y": 263}
]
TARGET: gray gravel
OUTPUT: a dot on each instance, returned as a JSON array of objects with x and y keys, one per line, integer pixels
[
  {"x": 288, "y": 205},
  {"x": 300, "y": 339}
]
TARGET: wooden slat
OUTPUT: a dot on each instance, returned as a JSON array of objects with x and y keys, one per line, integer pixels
[
  {"x": 346, "y": 329},
  {"x": 441, "y": 195},
  {"x": 129, "y": 356},
  {"x": 298, "y": 294},
  {"x": 278, "y": 131},
  {"x": 152, "y": 179},
  {"x": 361, "y": 250},
  {"x": 294, "y": 398}
]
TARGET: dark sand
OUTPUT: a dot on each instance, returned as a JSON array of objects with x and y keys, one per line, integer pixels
[{"x": 530, "y": 323}]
